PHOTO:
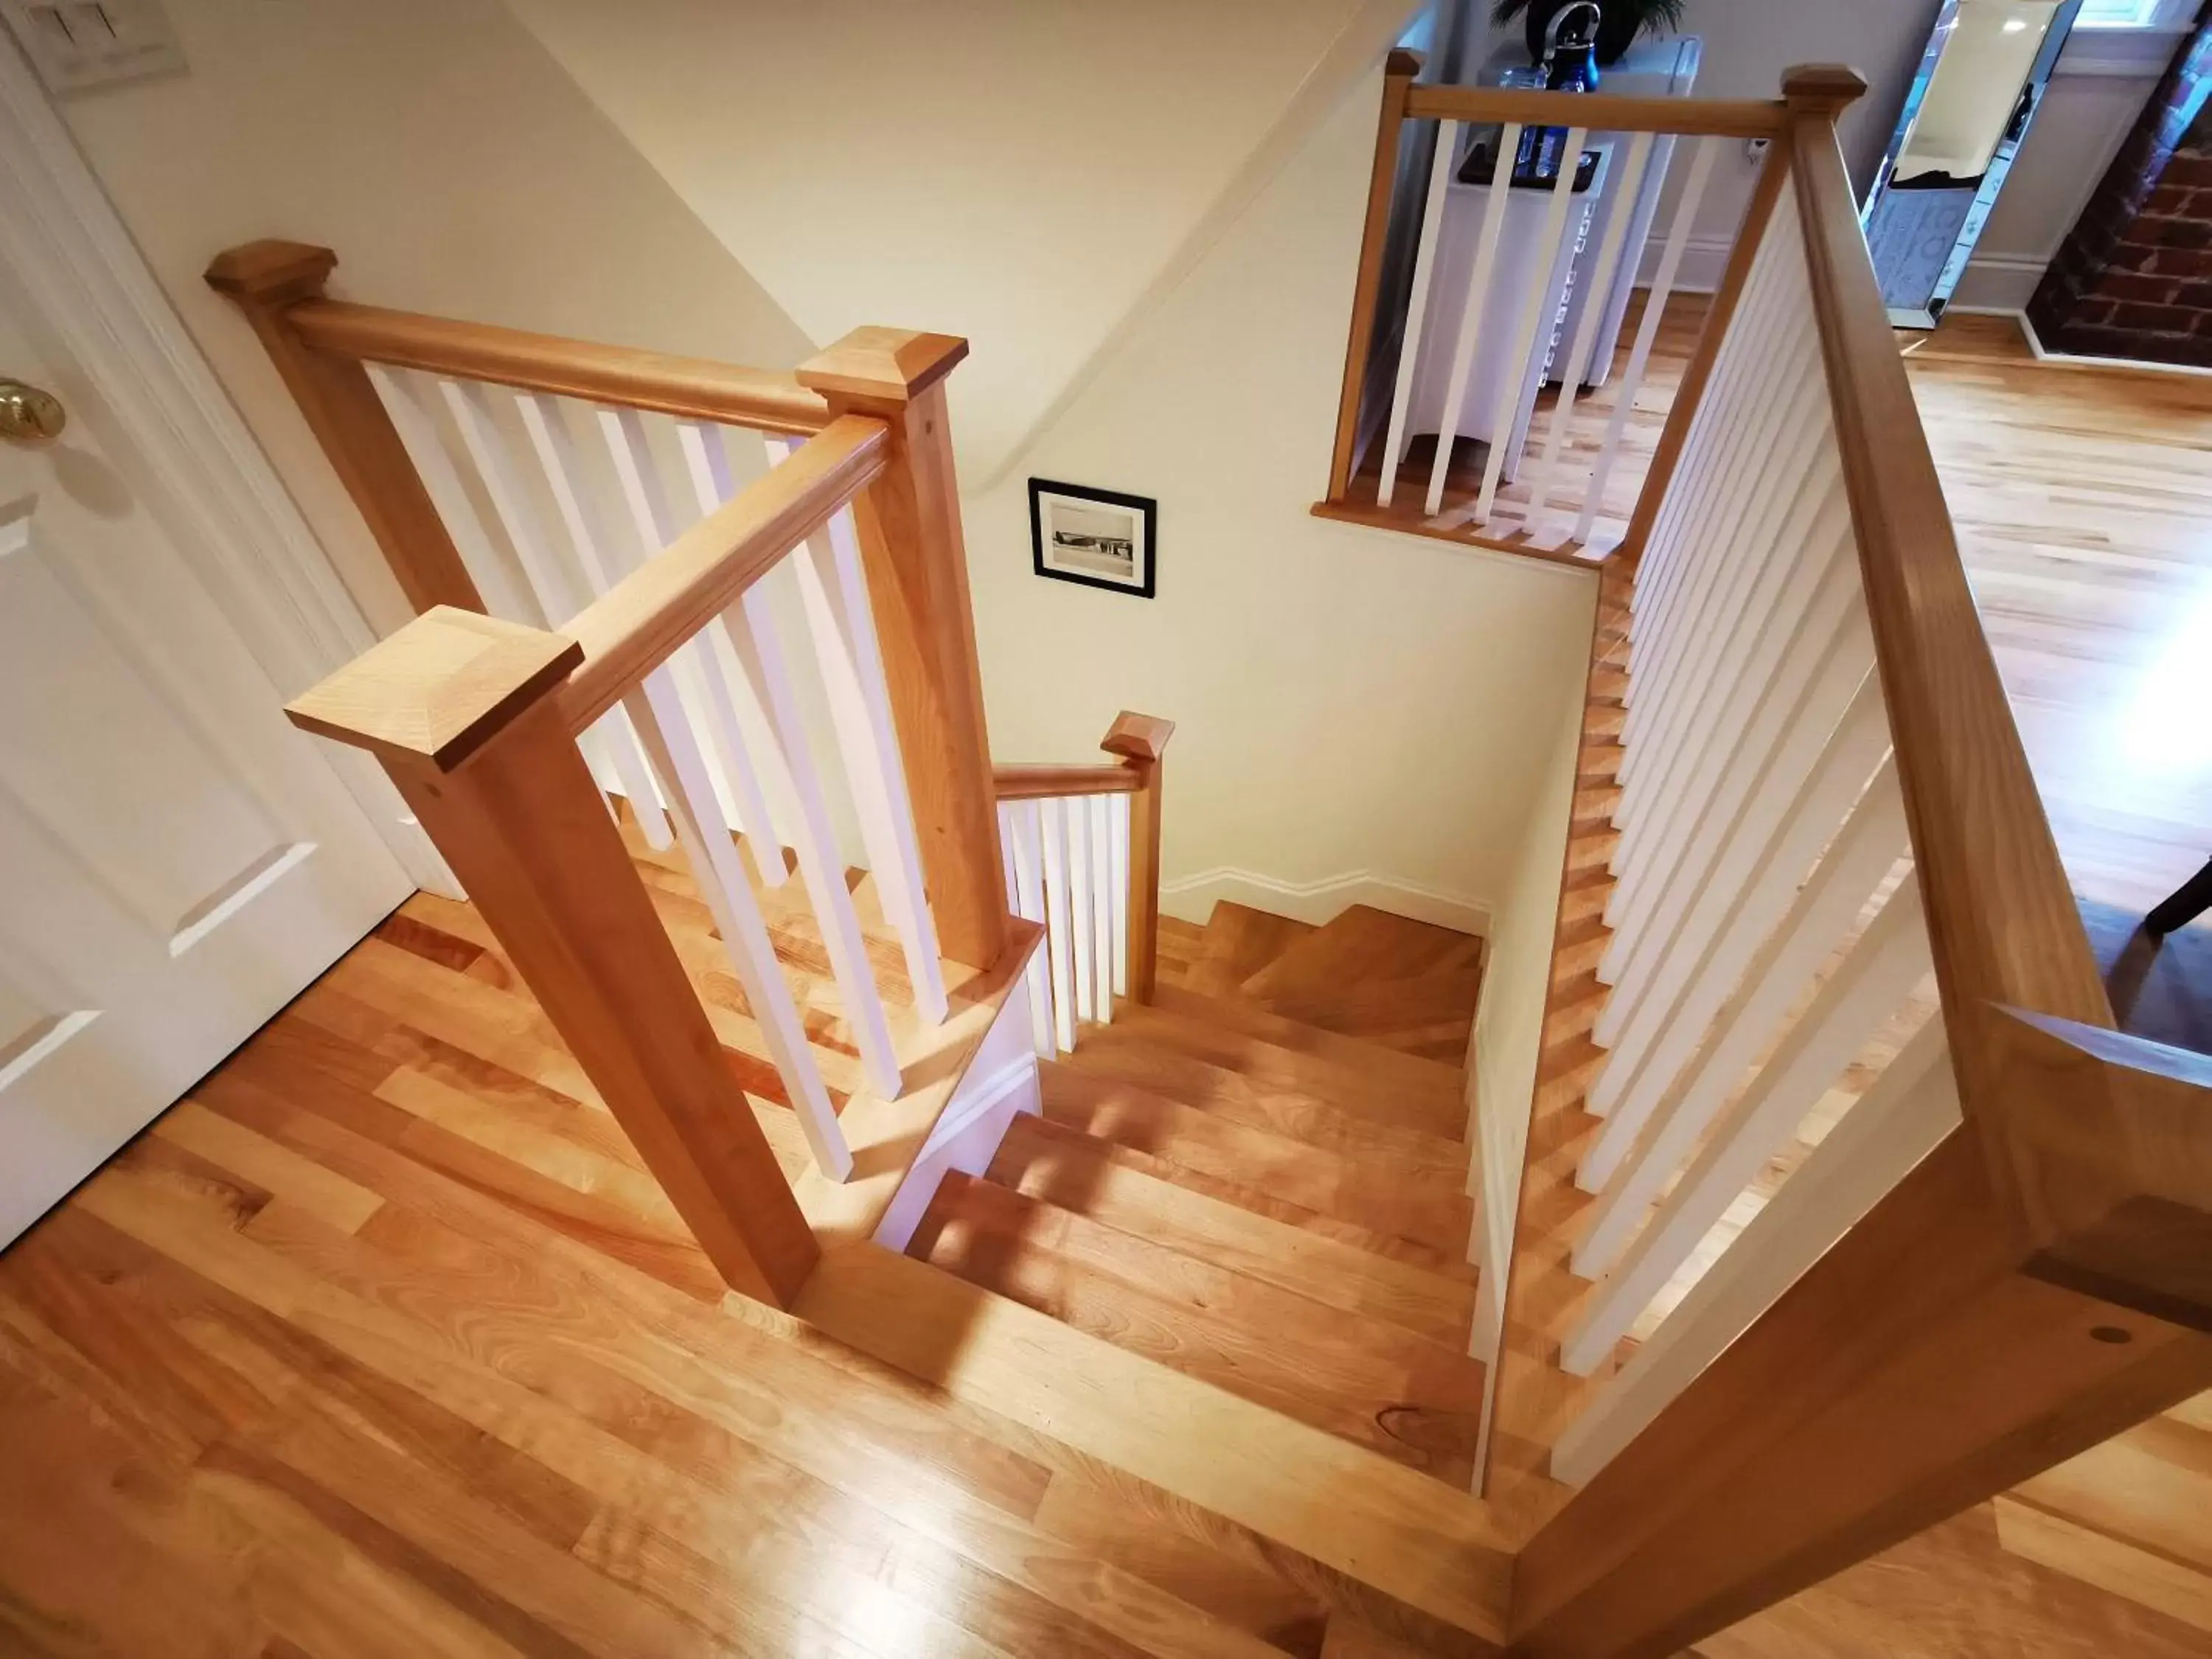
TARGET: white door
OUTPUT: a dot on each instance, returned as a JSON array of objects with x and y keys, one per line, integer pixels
[{"x": 176, "y": 863}]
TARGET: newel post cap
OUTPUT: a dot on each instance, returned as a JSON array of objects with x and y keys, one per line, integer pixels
[
  {"x": 884, "y": 366},
  {"x": 1402, "y": 64},
  {"x": 1821, "y": 89},
  {"x": 1138, "y": 737},
  {"x": 438, "y": 689},
  {"x": 272, "y": 272}
]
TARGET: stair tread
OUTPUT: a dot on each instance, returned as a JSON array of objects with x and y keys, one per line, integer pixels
[
  {"x": 1364, "y": 943},
  {"x": 1132, "y": 1051},
  {"x": 1078, "y": 1172},
  {"x": 1239, "y": 942},
  {"x": 1433, "y": 1104},
  {"x": 1376, "y": 1065},
  {"x": 1432, "y": 1015},
  {"x": 1413, "y": 1400},
  {"x": 1373, "y": 1194}
]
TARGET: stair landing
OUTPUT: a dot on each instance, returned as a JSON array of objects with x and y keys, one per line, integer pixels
[{"x": 1260, "y": 1179}]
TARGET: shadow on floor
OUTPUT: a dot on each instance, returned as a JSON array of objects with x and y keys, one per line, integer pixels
[{"x": 2161, "y": 989}]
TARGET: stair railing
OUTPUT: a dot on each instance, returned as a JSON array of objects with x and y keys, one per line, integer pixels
[
  {"x": 651, "y": 664},
  {"x": 1082, "y": 848},
  {"x": 1852, "y": 1208},
  {"x": 1458, "y": 321}
]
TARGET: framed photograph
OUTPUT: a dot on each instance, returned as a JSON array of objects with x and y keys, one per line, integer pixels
[{"x": 1095, "y": 537}]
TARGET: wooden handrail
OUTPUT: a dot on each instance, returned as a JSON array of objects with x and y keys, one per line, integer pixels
[
  {"x": 1600, "y": 111},
  {"x": 1019, "y": 782},
  {"x": 694, "y": 388},
  {"x": 638, "y": 623}
]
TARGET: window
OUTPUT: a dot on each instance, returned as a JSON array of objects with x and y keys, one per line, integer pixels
[{"x": 2134, "y": 13}]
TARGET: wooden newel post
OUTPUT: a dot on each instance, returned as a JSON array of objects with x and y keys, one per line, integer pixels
[
  {"x": 267, "y": 279},
  {"x": 1142, "y": 740},
  {"x": 464, "y": 712},
  {"x": 917, "y": 566},
  {"x": 1398, "y": 72}
]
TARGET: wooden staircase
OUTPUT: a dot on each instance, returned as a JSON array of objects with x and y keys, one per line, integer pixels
[{"x": 1260, "y": 1180}]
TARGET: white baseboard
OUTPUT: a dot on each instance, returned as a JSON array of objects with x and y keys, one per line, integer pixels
[
  {"x": 1192, "y": 898},
  {"x": 2126, "y": 365},
  {"x": 1999, "y": 282}
]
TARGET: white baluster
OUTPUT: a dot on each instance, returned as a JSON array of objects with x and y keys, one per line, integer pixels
[
  {"x": 657, "y": 712},
  {"x": 1417, "y": 305},
  {"x": 1470, "y": 322},
  {"x": 704, "y": 682},
  {"x": 834, "y": 592},
  {"x": 1077, "y": 815},
  {"x": 1119, "y": 885},
  {"x": 609, "y": 743},
  {"x": 1102, "y": 906},
  {"x": 1901, "y": 1119},
  {"x": 1053, "y": 834},
  {"x": 1601, "y": 275},
  {"x": 1534, "y": 306},
  {"x": 1030, "y": 902},
  {"x": 562, "y": 470},
  {"x": 1718, "y": 921},
  {"x": 413, "y": 418},
  {"x": 1868, "y": 986},
  {"x": 1668, "y": 1113},
  {"x": 789, "y": 762},
  {"x": 1647, "y": 331}
]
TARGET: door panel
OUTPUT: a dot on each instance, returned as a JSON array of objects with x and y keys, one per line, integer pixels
[{"x": 176, "y": 862}]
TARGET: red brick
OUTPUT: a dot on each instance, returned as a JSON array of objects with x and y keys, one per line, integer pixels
[
  {"x": 2196, "y": 293},
  {"x": 2180, "y": 262},
  {"x": 2136, "y": 286},
  {"x": 2188, "y": 173},
  {"x": 2154, "y": 320},
  {"x": 2174, "y": 233},
  {"x": 2170, "y": 200}
]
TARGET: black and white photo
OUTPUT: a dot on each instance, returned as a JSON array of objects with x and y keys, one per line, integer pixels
[{"x": 1095, "y": 536}]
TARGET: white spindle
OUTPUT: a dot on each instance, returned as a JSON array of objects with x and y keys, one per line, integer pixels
[
  {"x": 658, "y": 712},
  {"x": 1647, "y": 329},
  {"x": 1534, "y": 306},
  {"x": 1792, "y": 648},
  {"x": 1669, "y": 1112},
  {"x": 1029, "y": 890},
  {"x": 1417, "y": 305},
  {"x": 562, "y": 471},
  {"x": 788, "y": 759},
  {"x": 417, "y": 423},
  {"x": 1119, "y": 881},
  {"x": 1899, "y": 1119},
  {"x": 1470, "y": 321},
  {"x": 834, "y": 592},
  {"x": 1625, "y": 190},
  {"x": 1077, "y": 815},
  {"x": 1102, "y": 906},
  {"x": 610, "y": 743},
  {"x": 1723, "y": 918},
  {"x": 1868, "y": 986},
  {"x": 703, "y": 682},
  {"x": 1052, "y": 825}
]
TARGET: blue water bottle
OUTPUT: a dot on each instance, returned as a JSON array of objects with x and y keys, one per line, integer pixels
[{"x": 1570, "y": 64}]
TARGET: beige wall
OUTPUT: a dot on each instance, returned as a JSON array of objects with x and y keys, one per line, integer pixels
[
  {"x": 1347, "y": 699},
  {"x": 1508, "y": 1031},
  {"x": 453, "y": 167},
  {"x": 1013, "y": 172}
]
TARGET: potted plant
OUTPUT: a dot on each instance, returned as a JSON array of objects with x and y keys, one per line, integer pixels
[{"x": 1620, "y": 22}]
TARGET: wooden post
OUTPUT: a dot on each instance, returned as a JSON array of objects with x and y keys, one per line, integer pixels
[
  {"x": 1142, "y": 740},
  {"x": 463, "y": 710},
  {"x": 917, "y": 566},
  {"x": 266, "y": 279},
  {"x": 1398, "y": 72}
]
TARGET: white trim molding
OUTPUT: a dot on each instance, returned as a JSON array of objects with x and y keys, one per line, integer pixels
[
  {"x": 1192, "y": 898},
  {"x": 205, "y": 478}
]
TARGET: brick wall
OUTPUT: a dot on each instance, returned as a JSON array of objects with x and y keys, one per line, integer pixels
[{"x": 2134, "y": 277}]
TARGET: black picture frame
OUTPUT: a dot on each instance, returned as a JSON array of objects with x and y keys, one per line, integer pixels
[{"x": 1061, "y": 561}]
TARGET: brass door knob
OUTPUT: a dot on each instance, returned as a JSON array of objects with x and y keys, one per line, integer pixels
[{"x": 28, "y": 414}]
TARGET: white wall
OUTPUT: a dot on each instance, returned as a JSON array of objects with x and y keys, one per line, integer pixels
[
  {"x": 1017, "y": 173},
  {"x": 452, "y": 165},
  {"x": 1347, "y": 699}
]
